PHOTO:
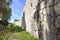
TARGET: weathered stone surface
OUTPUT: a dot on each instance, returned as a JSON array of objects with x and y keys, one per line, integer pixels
[
  {"x": 18, "y": 23},
  {"x": 42, "y": 18},
  {"x": 56, "y": 1},
  {"x": 57, "y": 23},
  {"x": 23, "y": 23},
  {"x": 30, "y": 17},
  {"x": 42, "y": 5}
]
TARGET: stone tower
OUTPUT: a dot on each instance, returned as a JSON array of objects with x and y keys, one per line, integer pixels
[{"x": 42, "y": 18}]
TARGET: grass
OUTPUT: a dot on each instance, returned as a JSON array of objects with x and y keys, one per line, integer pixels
[
  {"x": 22, "y": 35},
  {"x": 5, "y": 36},
  {"x": 25, "y": 36}
]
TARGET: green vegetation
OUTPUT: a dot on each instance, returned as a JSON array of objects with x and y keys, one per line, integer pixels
[
  {"x": 5, "y": 36},
  {"x": 25, "y": 36},
  {"x": 14, "y": 28},
  {"x": 7, "y": 31},
  {"x": 22, "y": 35},
  {"x": 5, "y": 11}
]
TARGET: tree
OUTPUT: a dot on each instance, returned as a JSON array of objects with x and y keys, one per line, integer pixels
[{"x": 5, "y": 10}]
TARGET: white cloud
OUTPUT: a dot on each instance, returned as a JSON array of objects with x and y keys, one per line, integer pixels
[{"x": 13, "y": 14}]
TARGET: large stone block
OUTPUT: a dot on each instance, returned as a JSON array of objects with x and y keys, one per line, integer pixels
[
  {"x": 42, "y": 5},
  {"x": 57, "y": 23},
  {"x": 57, "y": 9},
  {"x": 56, "y": 1},
  {"x": 41, "y": 17},
  {"x": 49, "y": 2}
]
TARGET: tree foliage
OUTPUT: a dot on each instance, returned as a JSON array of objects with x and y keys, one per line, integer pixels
[{"x": 5, "y": 10}]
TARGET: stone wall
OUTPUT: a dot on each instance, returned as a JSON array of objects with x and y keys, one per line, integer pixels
[
  {"x": 42, "y": 18},
  {"x": 18, "y": 23},
  {"x": 30, "y": 21},
  {"x": 50, "y": 13}
]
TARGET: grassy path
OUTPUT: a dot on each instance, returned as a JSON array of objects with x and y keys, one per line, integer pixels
[
  {"x": 16, "y": 33},
  {"x": 21, "y": 36},
  {"x": 13, "y": 36}
]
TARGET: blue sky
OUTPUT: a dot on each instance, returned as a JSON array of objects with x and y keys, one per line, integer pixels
[{"x": 17, "y": 9}]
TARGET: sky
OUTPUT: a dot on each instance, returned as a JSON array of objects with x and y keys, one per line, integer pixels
[{"x": 17, "y": 9}]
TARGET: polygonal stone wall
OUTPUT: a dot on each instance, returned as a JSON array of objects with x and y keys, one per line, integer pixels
[{"x": 42, "y": 18}]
